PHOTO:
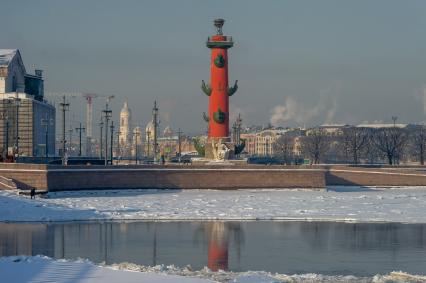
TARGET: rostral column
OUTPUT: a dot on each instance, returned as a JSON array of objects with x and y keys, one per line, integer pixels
[{"x": 218, "y": 90}]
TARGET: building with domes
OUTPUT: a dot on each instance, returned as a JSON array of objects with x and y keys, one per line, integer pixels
[{"x": 125, "y": 135}]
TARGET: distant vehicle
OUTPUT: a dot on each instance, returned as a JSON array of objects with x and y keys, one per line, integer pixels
[
  {"x": 185, "y": 159},
  {"x": 264, "y": 160}
]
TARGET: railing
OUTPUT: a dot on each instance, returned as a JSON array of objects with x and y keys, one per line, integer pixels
[{"x": 227, "y": 39}]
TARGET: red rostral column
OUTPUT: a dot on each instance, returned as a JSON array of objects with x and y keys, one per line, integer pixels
[{"x": 218, "y": 90}]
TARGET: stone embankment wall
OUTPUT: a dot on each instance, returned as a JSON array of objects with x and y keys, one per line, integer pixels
[
  {"x": 56, "y": 178},
  {"x": 25, "y": 176},
  {"x": 355, "y": 176},
  {"x": 184, "y": 178}
]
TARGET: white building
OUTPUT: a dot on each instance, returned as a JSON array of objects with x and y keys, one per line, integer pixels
[{"x": 125, "y": 136}]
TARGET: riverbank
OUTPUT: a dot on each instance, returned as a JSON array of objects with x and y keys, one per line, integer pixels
[
  {"x": 21, "y": 269},
  {"x": 357, "y": 204}
]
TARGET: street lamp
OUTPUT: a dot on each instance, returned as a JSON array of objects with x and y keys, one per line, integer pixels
[
  {"x": 64, "y": 108},
  {"x": 107, "y": 115},
  {"x": 112, "y": 141},
  {"x": 101, "y": 126},
  {"x": 17, "y": 101},
  {"x": 80, "y": 129},
  {"x": 148, "y": 135},
  {"x": 155, "y": 121},
  {"x": 179, "y": 145},
  {"x": 137, "y": 133},
  {"x": 118, "y": 147},
  {"x": 6, "y": 142}
]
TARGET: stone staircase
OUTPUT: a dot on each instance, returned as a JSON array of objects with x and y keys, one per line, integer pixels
[{"x": 7, "y": 184}]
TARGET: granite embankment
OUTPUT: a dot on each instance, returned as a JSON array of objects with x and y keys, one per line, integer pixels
[{"x": 56, "y": 178}]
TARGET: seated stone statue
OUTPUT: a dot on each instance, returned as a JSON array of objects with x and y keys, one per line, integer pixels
[{"x": 220, "y": 150}]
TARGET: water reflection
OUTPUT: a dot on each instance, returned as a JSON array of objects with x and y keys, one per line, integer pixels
[
  {"x": 284, "y": 247},
  {"x": 218, "y": 236}
]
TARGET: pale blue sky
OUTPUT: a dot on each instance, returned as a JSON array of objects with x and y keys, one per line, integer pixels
[{"x": 322, "y": 61}]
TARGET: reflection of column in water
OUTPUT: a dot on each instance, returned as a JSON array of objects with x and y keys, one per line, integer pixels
[
  {"x": 218, "y": 236},
  {"x": 154, "y": 247},
  {"x": 63, "y": 241},
  {"x": 218, "y": 246}
]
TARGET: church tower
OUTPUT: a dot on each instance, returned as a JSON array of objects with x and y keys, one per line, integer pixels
[{"x": 125, "y": 121}]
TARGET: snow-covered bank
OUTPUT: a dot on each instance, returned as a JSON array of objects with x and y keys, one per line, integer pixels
[
  {"x": 343, "y": 204},
  {"x": 42, "y": 269},
  {"x": 35, "y": 269}
]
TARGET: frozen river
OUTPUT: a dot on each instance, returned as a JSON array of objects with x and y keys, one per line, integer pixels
[
  {"x": 327, "y": 248},
  {"x": 357, "y": 204}
]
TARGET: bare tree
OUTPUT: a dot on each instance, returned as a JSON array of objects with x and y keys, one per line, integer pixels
[
  {"x": 390, "y": 141},
  {"x": 418, "y": 140},
  {"x": 315, "y": 144},
  {"x": 355, "y": 141},
  {"x": 371, "y": 153},
  {"x": 283, "y": 148}
]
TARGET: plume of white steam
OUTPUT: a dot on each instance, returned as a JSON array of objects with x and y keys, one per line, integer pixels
[
  {"x": 331, "y": 112},
  {"x": 293, "y": 110}
]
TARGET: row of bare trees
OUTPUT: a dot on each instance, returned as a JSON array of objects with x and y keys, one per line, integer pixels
[{"x": 355, "y": 145}]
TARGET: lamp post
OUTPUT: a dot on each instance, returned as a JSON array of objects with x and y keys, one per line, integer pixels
[
  {"x": 107, "y": 116},
  {"x": 80, "y": 129},
  {"x": 148, "y": 135},
  {"x": 6, "y": 141},
  {"x": 137, "y": 133},
  {"x": 101, "y": 126},
  {"x": 112, "y": 140},
  {"x": 70, "y": 130},
  {"x": 155, "y": 121},
  {"x": 118, "y": 133},
  {"x": 234, "y": 133},
  {"x": 179, "y": 144},
  {"x": 64, "y": 107},
  {"x": 17, "y": 101}
]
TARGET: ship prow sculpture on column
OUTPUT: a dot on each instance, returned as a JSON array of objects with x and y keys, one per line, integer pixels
[{"x": 219, "y": 147}]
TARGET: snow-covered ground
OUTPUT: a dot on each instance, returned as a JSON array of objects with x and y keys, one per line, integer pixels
[
  {"x": 42, "y": 269},
  {"x": 340, "y": 204},
  {"x": 37, "y": 269}
]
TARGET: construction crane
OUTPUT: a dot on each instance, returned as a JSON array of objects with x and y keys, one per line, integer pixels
[
  {"x": 89, "y": 114},
  {"x": 89, "y": 106},
  {"x": 89, "y": 110}
]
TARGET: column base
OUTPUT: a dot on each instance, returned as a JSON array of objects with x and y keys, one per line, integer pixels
[{"x": 219, "y": 149}]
